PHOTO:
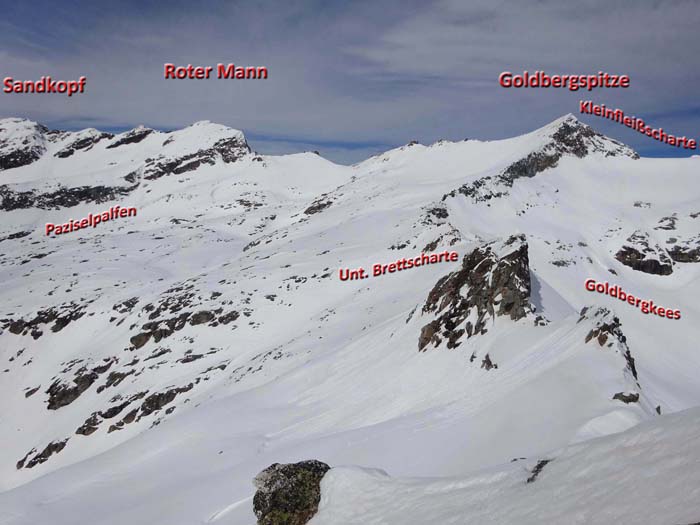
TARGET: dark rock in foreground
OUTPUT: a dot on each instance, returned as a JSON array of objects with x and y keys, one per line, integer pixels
[{"x": 288, "y": 494}]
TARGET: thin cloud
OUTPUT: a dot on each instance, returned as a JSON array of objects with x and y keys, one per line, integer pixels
[{"x": 360, "y": 73}]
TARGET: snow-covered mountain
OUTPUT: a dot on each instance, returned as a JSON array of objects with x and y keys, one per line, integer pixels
[{"x": 152, "y": 365}]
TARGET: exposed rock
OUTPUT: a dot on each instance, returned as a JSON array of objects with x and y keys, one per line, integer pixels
[
  {"x": 317, "y": 206},
  {"x": 21, "y": 142},
  {"x": 139, "y": 340},
  {"x": 62, "y": 394},
  {"x": 31, "y": 391},
  {"x": 129, "y": 418},
  {"x": 190, "y": 357},
  {"x": 288, "y": 494},
  {"x": 156, "y": 401},
  {"x": 487, "y": 363},
  {"x": 91, "y": 424},
  {"x": 131, "y": 137},
  {"x": 607, "y": 331},
  {"x": 61, "y": 316},
  {"x": 201, "y": 317},
  {"x": 114, "y": 378},
  {"x": 627, "y": 398},
  {"x": 687, "y": 251},
  {"x": 228, "y": 149},
  {"x": 85, "y": 141},
  {"x": 126, "y": 306},
  {"x": 21, "y": 462},
  {"x": 569, "y": 137},
  {"x": 494, "y": 281},
  {"x": 52, "y": 448},
  {"x": 538, "y": 469},
  {"x": 61, "y": 198},
  {"x": 157, "y": 353},
  {"x": 640, "y": 254},
  {"x": 667, "y": 223},
  {"x": 16, "y": 235}
]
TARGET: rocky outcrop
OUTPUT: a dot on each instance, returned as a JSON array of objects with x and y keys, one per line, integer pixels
[
  {"x": 627, "y": 398},
  {"x": 288, "y": 494},
  {"x": 84, "y": 141},
  {"x": 61, "y": 316},
  {"x": 16, "y": 235},
  {"x": 319, "y": 205},
  {"x": 538, "y": 469},
  {"x": 62, "y": 394},
  {"x": 229, "y": 150},
  {"x": 22, "y": 142},
  {"x": 131, "y": 137},
  {"x": 568, "y": 136},
  {"x": 158, "y": 400},
  {"x": 52, "y": 448},
  {"x": 643, "y": 255},
  {"x": 686, "y": 251},
  {"x": 61, "y": 198},
  {"x": 607, "y": 332},
  {"x": 494, "y": 281}
]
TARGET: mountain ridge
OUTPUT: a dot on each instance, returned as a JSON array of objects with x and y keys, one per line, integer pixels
[{"x": 210, "y": 335}]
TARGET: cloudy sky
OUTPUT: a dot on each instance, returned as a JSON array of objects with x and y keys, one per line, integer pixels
[{"x": 350, "y": 79}]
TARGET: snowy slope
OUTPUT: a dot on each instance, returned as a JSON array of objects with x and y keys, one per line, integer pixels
[
  {"x": 629, "y": 478},
  {"x": 154, "y": 364}
]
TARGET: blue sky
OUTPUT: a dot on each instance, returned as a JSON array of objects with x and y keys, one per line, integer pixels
[{"x": 351, "y": 79}]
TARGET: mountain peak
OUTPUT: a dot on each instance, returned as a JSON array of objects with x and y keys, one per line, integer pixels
[{"x": 568, "y": 135}]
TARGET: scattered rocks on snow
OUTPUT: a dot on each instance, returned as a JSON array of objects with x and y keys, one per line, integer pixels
[
  {"x": 61, "y": 316},
  {"x": 667, "y": 223},
  {"x": 16, "y": 235}
]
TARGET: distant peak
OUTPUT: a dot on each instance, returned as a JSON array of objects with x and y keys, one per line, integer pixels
[
  {"x": 568, "y": 120},
  {"x": 568, "y": 135}
]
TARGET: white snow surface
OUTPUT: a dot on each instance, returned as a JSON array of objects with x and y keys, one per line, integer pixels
[
  {"x": 639, "y": 476},
  {"x": 315, "y": 367}
]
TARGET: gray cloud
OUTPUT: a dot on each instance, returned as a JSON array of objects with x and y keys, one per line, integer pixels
[{"x": 343, "y": 77}]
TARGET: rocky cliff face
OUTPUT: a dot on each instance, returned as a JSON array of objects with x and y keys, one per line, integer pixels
[{"x": 494, "y": 281}]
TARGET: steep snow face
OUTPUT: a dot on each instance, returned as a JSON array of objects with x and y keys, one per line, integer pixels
[{"x": 153, "y": 365}]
